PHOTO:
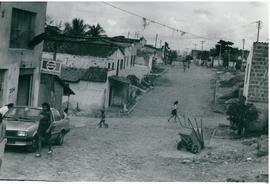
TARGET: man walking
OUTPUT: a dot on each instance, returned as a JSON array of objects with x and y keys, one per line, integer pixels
[{"x": 44, "y": 128}]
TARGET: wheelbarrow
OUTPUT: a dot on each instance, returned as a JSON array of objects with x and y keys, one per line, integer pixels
[{"x": 191, "y": 138}]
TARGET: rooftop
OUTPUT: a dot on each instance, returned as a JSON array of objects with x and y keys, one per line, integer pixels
[{"x": 92, "y": 74}]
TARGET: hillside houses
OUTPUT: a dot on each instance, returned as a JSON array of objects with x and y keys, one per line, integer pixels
[{"x": 106, "y": 61}]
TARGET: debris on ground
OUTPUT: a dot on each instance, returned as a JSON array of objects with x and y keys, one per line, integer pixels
[
  {"x": 262, "y": 178},
  {"x": 262, "y": 146}
]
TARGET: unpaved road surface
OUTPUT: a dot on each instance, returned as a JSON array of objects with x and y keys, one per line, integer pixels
[{"x": 142, "y": 147}]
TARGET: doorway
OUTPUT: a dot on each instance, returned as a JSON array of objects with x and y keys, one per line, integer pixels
[{"x": 24, "y": 90}]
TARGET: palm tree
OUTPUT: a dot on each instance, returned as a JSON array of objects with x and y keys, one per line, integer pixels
[
  {"x": 76, "y": 28},
  {"x": 96, "y": 31}
]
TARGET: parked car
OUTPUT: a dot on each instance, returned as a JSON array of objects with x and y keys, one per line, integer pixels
[
  {"x": 22, "y": 124},
  {"x": 3, "y": 140}
]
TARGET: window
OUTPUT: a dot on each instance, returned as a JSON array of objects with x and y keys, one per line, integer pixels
[
  {"x": 131, "y": 60},
  {"x": 109, "y": 65},
  {"x": 56, "y": 115},
  {"x": 134, "y": 57},
  {"x": 127, "y": 61},
  {"x": 121, "y": 64},
  {"x": 22, "y": 28},
  {"x": 112, "y": 66},
  {"x": 124, "y": 62}
]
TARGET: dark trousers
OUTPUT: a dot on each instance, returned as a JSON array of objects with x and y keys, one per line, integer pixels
[
  {"x": 102, "y": 123},
  {"x": 44, "y": 138}
]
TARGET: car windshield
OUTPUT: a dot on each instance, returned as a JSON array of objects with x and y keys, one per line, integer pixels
[{"x": 25, "y": 113}]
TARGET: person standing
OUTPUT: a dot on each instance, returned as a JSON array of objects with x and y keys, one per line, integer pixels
[
  {"x": 102, "y": 121},
  {"x": 45, "y": 128},
  {"x": 174, "y": 112},
  {"x": 5, "y": 109}
]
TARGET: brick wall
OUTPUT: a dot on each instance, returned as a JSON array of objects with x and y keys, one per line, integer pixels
[{"x": 258, "y": 79}]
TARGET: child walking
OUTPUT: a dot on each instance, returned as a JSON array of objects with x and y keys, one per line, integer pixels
[
  {"x": 102, "y": 121},
  {"x": 174, "y": 112}
]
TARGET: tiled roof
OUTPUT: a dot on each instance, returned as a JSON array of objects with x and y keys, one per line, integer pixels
[
  {"x": 95, "y": 74},
  {"x": 265, "y": 43},
  {"x": 72, "y": 74},
  {"x": 92, "y": 74},
  {"x": 96, "y": 48},
  {"x": 120, "y": 79}
]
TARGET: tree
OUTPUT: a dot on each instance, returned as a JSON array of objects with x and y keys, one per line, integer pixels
[
  {"x": 240, "y": 114},
  {"x": 224, "y": 47},
  {"x": 172, "y": 55},
  {"x": 76, "y": 28},
  {"x": 95, "y": 31}
]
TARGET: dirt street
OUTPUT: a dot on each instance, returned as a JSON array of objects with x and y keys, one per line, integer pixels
[{"x": 142, "y": 147}]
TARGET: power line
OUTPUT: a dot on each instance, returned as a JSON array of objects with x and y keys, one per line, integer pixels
[{"x": 182, "y": 32}]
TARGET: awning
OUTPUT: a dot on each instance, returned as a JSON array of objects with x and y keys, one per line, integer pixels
[
  {"x": 67, "y": 90},
  {"x": 119, "y": 80}
]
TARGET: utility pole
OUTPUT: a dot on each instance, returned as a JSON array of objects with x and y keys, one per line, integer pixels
[
  {"x": 128, "y": 35},
  {"x": 156, "y": 41},
  {"x": 242, "y": 65},
  {"x": 219, "y": 57},
  {"x": 202, "y": 42},
  {"x": 195, "y": 44},
  {"x": 160, "y": 43},
  {"x": 258, "y": 29}
]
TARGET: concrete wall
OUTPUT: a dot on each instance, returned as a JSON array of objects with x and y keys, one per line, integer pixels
[
  {"x": 247, "y": 73},
  {"x": 13, "y": 59},
  {"x": 89, "y": 95},
  {"x": 256, "y": 79}
]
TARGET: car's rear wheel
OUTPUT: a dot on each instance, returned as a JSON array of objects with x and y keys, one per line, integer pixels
[{"x": 60, "y": 138}]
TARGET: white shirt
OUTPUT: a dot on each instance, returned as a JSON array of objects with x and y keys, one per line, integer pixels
[{"x": 3, "y": 110}]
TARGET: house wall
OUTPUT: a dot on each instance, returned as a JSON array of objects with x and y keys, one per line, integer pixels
[
  {"x": 256, "y": 86},
  {"x": 232, "y": 64},
  {"x": 12, "y": 59},
  {"x": 89, "y": 95},
  {"x": 247, "y": 74},
  {"x": 85, "y": 62}
]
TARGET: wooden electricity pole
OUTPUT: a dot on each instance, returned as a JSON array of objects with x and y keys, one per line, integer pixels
[
  {"x": 156, "y": 41},
  {"x": 258, "y": 29}
]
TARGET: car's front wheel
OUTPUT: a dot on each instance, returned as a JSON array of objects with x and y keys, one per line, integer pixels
[
  {"x": 60, "y": 138},
  {"x": 32, "y": 148}
]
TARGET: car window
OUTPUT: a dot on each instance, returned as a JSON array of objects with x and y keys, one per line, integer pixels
[{"x": 56, "y": 115}]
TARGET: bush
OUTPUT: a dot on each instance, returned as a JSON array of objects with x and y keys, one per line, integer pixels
[
  {"x": 134, "y": 80},
  {"x": 240, "y": 114}
]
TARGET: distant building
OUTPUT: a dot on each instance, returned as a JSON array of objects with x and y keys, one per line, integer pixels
[
  {"x": 20, "y": 61},
  {"x": 256, "y": 74}
]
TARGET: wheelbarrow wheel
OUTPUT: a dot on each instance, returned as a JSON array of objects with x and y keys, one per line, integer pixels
[
  {"x": 195, "y": 149},
  {"x": 179, "y": 145}
]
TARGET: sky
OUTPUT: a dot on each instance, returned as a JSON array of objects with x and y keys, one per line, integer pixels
[{"x": 232, "y": 21}]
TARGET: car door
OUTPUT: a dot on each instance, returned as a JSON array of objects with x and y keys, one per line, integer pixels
[{"x": 57, "y": 124}]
